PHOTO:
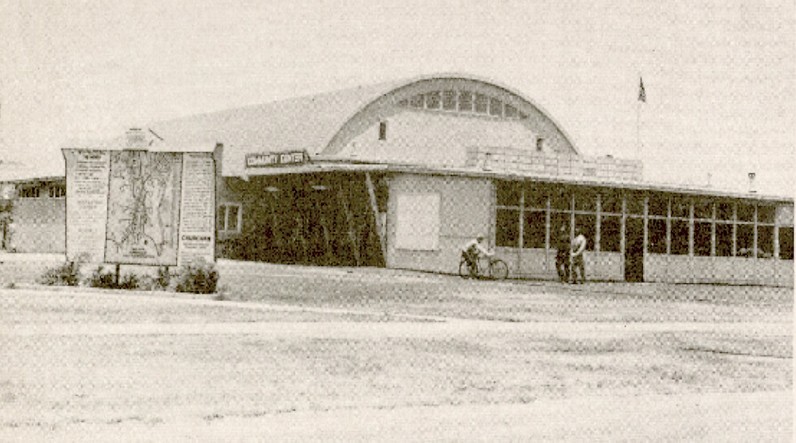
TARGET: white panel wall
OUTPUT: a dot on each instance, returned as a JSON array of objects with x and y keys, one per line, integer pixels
[
  {"x": 730, "y": 270},
  {"x": 435, "y": 138},
  {"x": 465, "y": 210}
]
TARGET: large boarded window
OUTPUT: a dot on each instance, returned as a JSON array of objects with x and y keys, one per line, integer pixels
[{"x": 417, "y": 222}]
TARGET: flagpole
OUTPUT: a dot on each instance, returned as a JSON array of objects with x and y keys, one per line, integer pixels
[{"x": 638, "y": 128}]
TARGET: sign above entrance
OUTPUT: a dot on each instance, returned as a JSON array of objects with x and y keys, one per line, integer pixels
[{"x": 271, "y": 159}]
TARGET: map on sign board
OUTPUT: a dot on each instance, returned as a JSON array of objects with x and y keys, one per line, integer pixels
[{"x": 143, "y": 208}]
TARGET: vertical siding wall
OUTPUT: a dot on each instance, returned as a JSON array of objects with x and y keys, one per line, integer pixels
[
  {"x": 39, "y": 225},
  {"x": 466, "y": 209}
]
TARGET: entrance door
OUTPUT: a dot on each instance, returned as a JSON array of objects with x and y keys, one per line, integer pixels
[{"x": 634, "y": 250}]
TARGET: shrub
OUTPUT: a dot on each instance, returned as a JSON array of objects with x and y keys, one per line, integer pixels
[
  {"x": 129, "y": 281},
  {"x": 67, "y": 274},
  {"x": 102, "y": 279},
  {"x": 163, "y": 279},
  {"x": 199, "y": 277}
]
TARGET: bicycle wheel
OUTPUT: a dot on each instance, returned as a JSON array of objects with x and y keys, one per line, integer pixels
[
  {"x": 498, "y": 269},
  {"x": 464, "y": 269}
]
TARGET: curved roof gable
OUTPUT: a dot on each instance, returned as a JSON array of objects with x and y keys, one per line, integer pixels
[
  {"x": 385, "y": 105},
  {"x": 317, "y": 123}
]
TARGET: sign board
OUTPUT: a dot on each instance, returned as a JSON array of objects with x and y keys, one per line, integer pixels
[
  {"x": 139, "y": 207},
  {"x": 87, "y": 175},
  {"x": 271, "y": 159},
  {"x": 197, "y": 209}
]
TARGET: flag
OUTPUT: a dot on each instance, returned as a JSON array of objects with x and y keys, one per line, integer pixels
[{"x": 642, "y": 95}]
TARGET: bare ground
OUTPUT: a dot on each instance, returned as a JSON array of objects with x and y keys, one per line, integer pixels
[{"x": 333, "y": 354}]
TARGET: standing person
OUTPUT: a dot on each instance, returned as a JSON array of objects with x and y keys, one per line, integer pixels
[
  {"x": 471, "y": 251},
  {"x": 578, "y": 247},
  {"x": 562, "y": 253}
]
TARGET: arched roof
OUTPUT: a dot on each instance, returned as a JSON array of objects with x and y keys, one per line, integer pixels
[{"x": 318, "y": 123}]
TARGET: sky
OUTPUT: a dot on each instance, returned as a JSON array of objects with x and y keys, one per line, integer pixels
[{"x": 719, "y": 75}]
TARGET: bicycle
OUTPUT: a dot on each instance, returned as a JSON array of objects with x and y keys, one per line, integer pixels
[{"x": 495, "y": 269}]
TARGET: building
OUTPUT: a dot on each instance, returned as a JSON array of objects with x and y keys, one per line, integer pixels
[
  {"x": 32, "y": 210},
  {"x": 402, "y": 174}
]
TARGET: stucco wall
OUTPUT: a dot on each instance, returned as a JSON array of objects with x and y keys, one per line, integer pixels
[
  {"x": 466, "y": 209},
  {"x": 39, "y": 225}
]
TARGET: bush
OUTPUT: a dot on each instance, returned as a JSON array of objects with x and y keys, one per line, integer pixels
[
  {"x": 102, "y": 279},
  {"x": 199, "y": 277},
  {"x": 163, "y": 279},
  {"x": 67, "y": 274},
  {"x": 129, "y": 281}
]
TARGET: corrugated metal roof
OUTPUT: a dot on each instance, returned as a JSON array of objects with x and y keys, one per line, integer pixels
[{"x": 304, "y": 123}]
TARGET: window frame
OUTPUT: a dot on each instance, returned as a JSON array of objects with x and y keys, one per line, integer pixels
[{"x": 223, "y": 225}]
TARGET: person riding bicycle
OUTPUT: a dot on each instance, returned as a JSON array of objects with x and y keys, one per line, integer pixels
[{"x": 472, "y": 251}]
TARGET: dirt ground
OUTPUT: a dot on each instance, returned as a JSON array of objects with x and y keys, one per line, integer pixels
[{"x": 301, "y": 353}]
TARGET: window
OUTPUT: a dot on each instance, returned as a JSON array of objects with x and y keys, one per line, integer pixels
[
  {"x": 433, "y": 100},
  {"x": 416, "y": 101},
  {"x": 511, "y": 111},
  {"x": 495, "y": 107},
  {"x": 702, "y": 238},
  {"x": 28, "y": 192},
  {"x": 449, "y": 100},
  {"x": 57, "y": 191},
  {"x": 417, "y": 222},
  {"x": 724, "y": 211},
  {"x": 229, "y": 218},
  {"x": 679, "y": 237},
  {"x": 610, "y": 202},
  {"x": 507, "y": 232},
  {"x": 383, "y": 131},
  {"x": 656, "y": 236},
  {"x": 539, "y": 144},
  {"x": 536, "y": 197},
  {"x": 786, "y": 243},
  {"x": 534, "y": 231},
  {"x": 723, "y": 239},
  {"x": 703, "y": 208},
  {"x": 481, "y": 103},
  {"x": 585, "y": 200},
  {"x": 681, "y": 207},
  {"x": 634, "y": 203},
  {"x": 659, "y": 205},
  {"x": 765, "y": 214},
  {"x": 609, "y": 233},
  {"x": 746, "y": 212},
  {"x": 466, "y": 101},
  {"x": 560, "y": 199},
  {"x": 508, "y": 193},
  {"x": 745, "y": 241},
  {"x": 765, "y": 241}
]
